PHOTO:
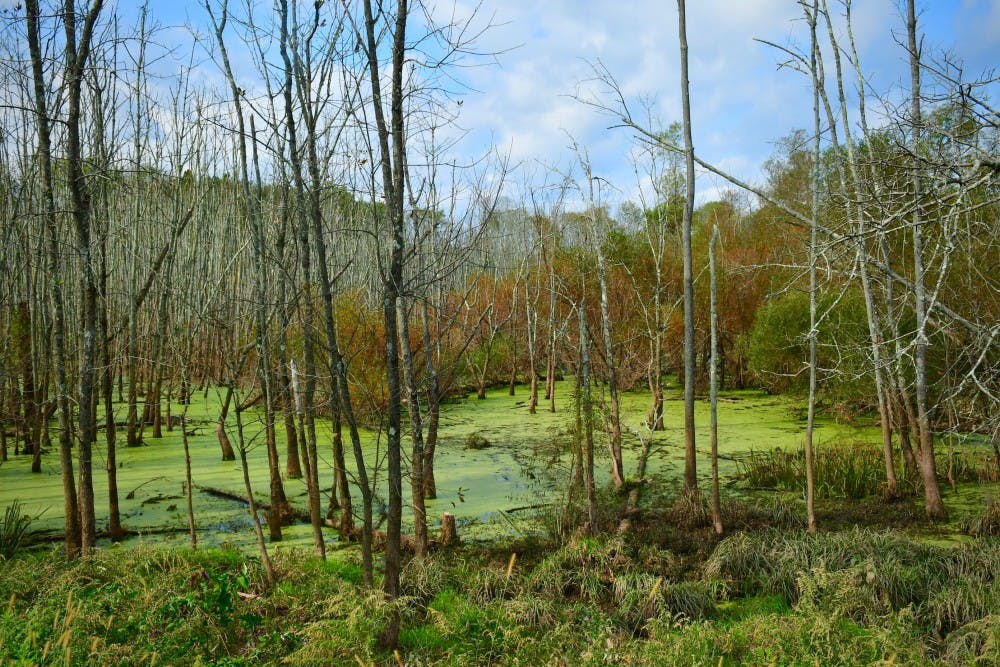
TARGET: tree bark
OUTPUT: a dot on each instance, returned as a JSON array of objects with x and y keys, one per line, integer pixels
[
  {"x": 811, "y": 15},
  {"x": 690, "y": 453},
  {"x": 433, "y": 405},
  {"x": 713, "y": 376},
  {"x": 220, "y": 428},
  {"x": 588, "y": 422},
  {"x": 393, "y": 165},
  {"x": 77, "y": 52},
  {"x": 933, "y": 504},
  {"x": 417, "y": 436},
  {"x": 70, "y": 502}
]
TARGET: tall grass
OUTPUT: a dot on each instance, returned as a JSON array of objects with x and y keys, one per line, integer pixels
[
  {"x": 865, "y": 575},
  {"x": 847, "y": 471},
  {"x": 856, "y": 597},
  {"x": 13, "y": 529}
]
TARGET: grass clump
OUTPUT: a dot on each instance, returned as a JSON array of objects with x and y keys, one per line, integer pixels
[
  {"x": 851, "y": 471},
  {"x": 988, "y": 523},
  {"x": 585, "y": 568},
  {"x": 771, "y": 562},
  {"x": 13, "y": 528},
  {"x": 476, "y": 440},
  {"x": 784, "y": 639}
]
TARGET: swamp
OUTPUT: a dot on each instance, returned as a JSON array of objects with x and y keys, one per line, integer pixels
[{"x": 316, "y": 348}]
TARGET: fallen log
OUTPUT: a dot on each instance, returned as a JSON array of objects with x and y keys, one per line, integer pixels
[
  {"x": 250, "y": 402},
  {"x": 297, "y": 514}
]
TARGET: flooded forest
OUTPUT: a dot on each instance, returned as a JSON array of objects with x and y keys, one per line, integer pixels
[{"x": 288, "y": 375}]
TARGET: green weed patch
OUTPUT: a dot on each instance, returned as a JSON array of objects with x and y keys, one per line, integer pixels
[{"x": 855, "y": 597}]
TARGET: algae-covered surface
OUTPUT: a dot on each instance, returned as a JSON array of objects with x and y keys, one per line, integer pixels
[{"x": 494, "y": 491}]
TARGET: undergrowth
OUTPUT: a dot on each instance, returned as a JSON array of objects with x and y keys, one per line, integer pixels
[
  {"x": 13, "y": 529},
  {"x": 851, "y": 471},
  {"x": 855, "y": 597}
]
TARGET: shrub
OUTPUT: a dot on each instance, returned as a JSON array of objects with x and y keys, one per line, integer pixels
[
  {"x": 778, "y": 344},
  {"x": 584, "y": 568},
  {"x": 476, "y": 440}
]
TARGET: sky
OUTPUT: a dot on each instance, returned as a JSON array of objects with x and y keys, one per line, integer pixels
[
  {"x": 523, "y": 98},
  {"x": 741, "y": 101}
]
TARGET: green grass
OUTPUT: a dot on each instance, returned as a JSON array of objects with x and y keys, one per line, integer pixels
[{"x": 846, "y": 598}]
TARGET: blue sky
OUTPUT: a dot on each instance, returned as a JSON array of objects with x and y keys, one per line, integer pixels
[{"x": 741, "y": 101}]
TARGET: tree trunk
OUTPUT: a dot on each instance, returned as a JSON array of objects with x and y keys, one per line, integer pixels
[
  {"x": 417, "y": 436},
  {"x": 811, "y": 15},
  {"x": 258, "y": 530},
  {"x": 77, "y": 52},
  {"x": 310, "y": 465},
  {"x": 614, "y": 409},
  {"x": 933, "y": 504},
  {"x": 70, "y": 508},
  {"x": 588, "y": 423},
  {"x": 449, "y": 535},
  {"x": 433, "y": 405},
  {"x": 550, "y": 357},
  {"x": 393, "y": 166},
  {"x": 690, "y": 454},
  {"x": 189, "y": 489},
  {"x": 854, "y": 208},
  {"x": 713, "y": 379},
  {"x": 29, "y": 400},
  {"x": 220, "y": 427}
]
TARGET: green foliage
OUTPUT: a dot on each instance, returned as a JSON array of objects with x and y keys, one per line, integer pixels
[
  {"x": 13, "y": 528},
  {"x": 778, "y": 346},
  {"x": 852, "y": 598}
]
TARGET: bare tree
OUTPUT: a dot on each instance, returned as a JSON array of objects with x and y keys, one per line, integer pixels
[
  {"x": 690, "y": 453},
  {"x": 261, "y": 311},
  {"x": 714, "y": 384},
  {"x": 812, "y": 18},
  {"x": 597, "y": 238},
  {"x": 933, "y": 504},
  {"x": 71, "y": 514}
]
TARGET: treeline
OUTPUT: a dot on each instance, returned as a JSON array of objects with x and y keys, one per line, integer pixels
[{"x": 296, "y": 232}]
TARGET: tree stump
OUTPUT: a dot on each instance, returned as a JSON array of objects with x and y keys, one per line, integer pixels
[{"x": 448, "y": 533}]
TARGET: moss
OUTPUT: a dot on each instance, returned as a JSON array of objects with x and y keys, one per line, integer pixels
[{"x": 496, "y": 494}]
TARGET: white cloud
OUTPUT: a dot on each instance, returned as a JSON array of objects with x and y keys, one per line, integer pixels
[{"x": 741, "y": 101}]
